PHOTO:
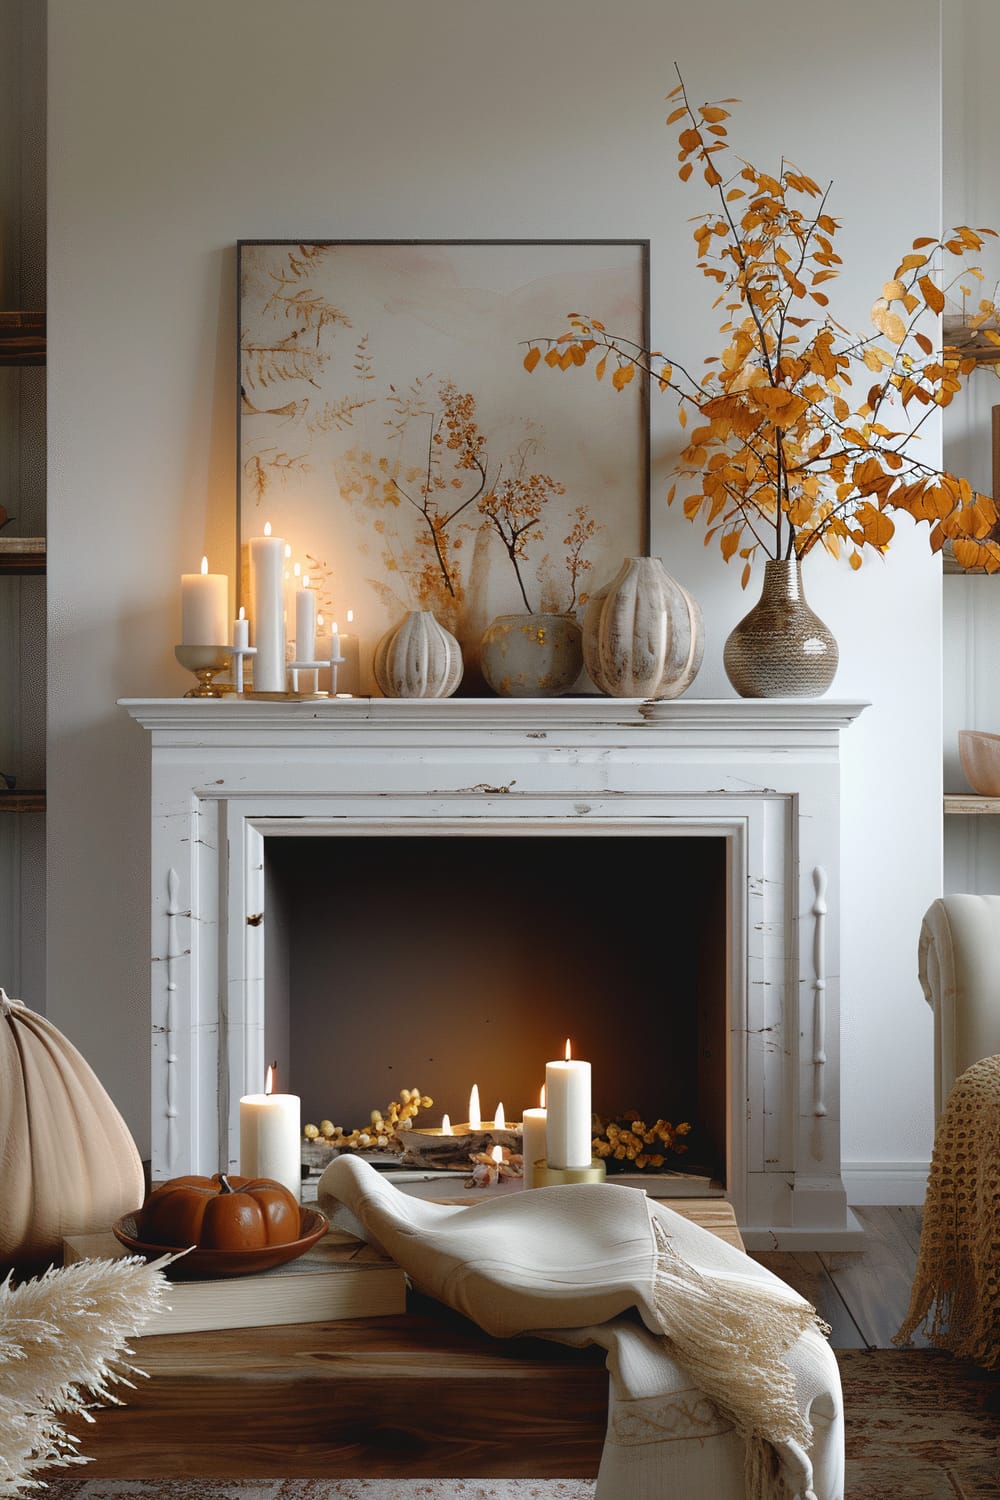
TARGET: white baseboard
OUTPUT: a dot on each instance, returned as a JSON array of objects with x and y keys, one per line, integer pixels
[{"x": 885, "y": 1184}]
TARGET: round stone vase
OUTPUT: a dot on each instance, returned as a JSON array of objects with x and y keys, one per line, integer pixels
[
  {"x": 643, "y": 635},
  {"x": 418, "y": 658},
  {"x": 532, "y": 656},
  {"x": 781, "y": 649}
]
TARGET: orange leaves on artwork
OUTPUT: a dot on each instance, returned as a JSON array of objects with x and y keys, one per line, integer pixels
[{"x": 781, "y": 456}]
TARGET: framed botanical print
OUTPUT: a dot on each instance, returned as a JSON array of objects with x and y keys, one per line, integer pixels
[{"x": 391, "y": 433}]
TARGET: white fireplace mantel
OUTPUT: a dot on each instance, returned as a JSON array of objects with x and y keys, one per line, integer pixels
[{"x": 763, "y": 774}]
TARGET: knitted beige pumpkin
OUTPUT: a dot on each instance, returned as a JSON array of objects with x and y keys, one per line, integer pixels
[{"x": 68, "y": 1164}]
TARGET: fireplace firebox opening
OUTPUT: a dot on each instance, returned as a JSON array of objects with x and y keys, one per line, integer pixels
[{"x": 440, "y": 962}]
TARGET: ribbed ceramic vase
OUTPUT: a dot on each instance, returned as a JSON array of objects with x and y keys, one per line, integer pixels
[
  {"x": 781, "y": 649},
  {"x": 532, "y": 656},
  {"x": 418, "y": 658},
  {"x": 643, "y": 635}
]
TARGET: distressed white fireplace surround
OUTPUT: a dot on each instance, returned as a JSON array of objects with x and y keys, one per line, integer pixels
[{"x": 764, "y": 775}]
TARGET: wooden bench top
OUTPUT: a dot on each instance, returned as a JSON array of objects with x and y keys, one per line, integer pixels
[{"x": 423, "y": 1395}]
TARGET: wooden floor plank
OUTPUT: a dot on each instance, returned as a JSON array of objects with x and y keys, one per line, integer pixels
[
  {"x": 863, "y": 1294},
  {"x": 804, "y": 1271}
]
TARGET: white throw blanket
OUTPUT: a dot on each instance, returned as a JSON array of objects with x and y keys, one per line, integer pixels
[{"x": 723, "y": 1384}]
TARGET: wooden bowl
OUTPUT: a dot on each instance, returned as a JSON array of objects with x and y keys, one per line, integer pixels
[
  {"x": 205, "y": 1265},
  {"x": 980, "y": 757}
]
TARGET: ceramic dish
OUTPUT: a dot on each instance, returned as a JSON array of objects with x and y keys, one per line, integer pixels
[{"x": 205, "y": 1265}]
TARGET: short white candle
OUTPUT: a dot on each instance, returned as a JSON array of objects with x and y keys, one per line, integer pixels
[
  {"x": 534, "y": 1145},
  {"x": 267, "y": 558},
  {"x": 271, "y": 1137},
  {"x": 241, "y": 631},
  {"x": 569, "y": 1141},
  {"x": 475, "y": 1119},
  {"x": 204, "y": 608}
]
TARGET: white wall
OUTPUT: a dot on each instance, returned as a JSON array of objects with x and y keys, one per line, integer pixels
[{"x": 177, "y": 127}]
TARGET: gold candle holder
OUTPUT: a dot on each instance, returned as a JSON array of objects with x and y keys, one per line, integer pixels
[
  {"x": 548, "y": 1176},
  {"x": 206, "y": 662}
]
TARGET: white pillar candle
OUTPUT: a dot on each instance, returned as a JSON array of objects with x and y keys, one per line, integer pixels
[
  {"x": 271, "y": 1138},
  {"x": 568, "y": 1125},
  {"x": 475, "y": 1119},
  {"x": 305, "y": 621},
  {"x": 204, "y": 608},
  {"x": 267, "y": 560},
  {"x": 534, "y": 1146},
  {"x": 241, "y": 631},
  {"x": 349, "y": 675}
]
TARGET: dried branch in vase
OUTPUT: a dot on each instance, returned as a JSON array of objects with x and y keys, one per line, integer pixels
[{"x": 781, "y": 461}]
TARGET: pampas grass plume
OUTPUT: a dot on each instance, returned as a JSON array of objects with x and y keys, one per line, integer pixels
[{"x": 64, "y": 1342}]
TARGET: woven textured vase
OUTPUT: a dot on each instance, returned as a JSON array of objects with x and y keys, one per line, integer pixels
[
  {"x": 781, "y": 649},
  {"x": 418, "y": 658},
  {"x": 643, "y": 635}
]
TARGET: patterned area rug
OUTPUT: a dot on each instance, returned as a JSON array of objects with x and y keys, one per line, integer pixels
[{"x": 920, "y": 1426}]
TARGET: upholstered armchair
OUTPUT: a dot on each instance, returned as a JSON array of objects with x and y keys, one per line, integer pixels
[{"x": 959, "y": 967}]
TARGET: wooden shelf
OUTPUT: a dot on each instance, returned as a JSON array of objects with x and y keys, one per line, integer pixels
[
  {"x": 969, "y": 804},
  {"x": 21, "y": 802},
  {"x": 22, "y": 554},
  {"x": 22, "y": 338}
]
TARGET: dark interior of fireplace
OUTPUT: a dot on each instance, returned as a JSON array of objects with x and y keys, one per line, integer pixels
[{"x": 397, "y": 960}]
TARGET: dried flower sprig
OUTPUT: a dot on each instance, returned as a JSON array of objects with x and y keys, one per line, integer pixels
[
  {"x": 629, "y": 1139},
  {"x": 781, "y": 460},
  {"x": 380, "y": 1132}
]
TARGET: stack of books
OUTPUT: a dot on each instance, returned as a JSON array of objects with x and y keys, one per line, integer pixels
[{"x": 338, "y": 1277}]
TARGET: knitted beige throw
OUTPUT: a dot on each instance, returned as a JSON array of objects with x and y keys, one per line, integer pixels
[
  {"x": 603, "y": 1263},
  {"x": 956, "y": 1288}
]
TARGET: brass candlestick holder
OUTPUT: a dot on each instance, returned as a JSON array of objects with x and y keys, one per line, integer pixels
[
  {"x": 206, "y": 662},
  {"x": 546, "y": 1176}
]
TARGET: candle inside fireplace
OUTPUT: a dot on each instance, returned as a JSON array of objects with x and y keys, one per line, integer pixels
[
  {"x": 569, "y": 1141},
  {"x": 270, "y": 1137},
  {"x": 533, "y": 1141},
  {"x": 475, "y": 1118}
]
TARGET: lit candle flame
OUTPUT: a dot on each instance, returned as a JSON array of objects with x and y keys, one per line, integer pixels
[
  {"x": 267, "y": 528},
  {"x": 204, "y": 565},
  {"x": 497, "y": 1154},
  {"x": 541, "y": 1097},
  {"x": 475, "y": 1119},
  {"x": 269, "y": 1082},
  {"x": 243, "y": 613},
  {"x": 446, "y": 1126},
  {"x": 499, "y": 1121},
  {"x": 350, "y": 616},
  {"x": 288, "y": 549},
  {"x": 305, "y": 580},
  {"x": 569, "y": 1053},
  {"x": 297, "y": 570}
]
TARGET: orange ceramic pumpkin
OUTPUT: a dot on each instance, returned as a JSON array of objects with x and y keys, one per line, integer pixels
[{"x": 220, "y": 1213}]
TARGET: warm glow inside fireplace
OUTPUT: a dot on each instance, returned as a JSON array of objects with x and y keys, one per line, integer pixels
[{"x": 438, "y": 962}]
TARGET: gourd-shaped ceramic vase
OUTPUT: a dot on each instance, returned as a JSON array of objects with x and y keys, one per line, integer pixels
[
  {"x": 781, "y": 649},
  {"x": 418, "y": 658},
  {"x": 532, "y": 656},
  {"x": 643, "y": 634}
]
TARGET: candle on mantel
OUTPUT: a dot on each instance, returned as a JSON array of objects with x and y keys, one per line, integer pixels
[
  {"x": 569, "y": 1140},
  {"x": 241, "y": 646},
  {"x": 271, "y": 1135},
  {"x": 475, "y": 1118},
  {"x": 305, "y": 634},
  {"x": 533, "y": 1139},
  {"x": 267, "y": 557},
  {"x": 204, "y": 608},
  {"x": 349, "y": 673}
]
